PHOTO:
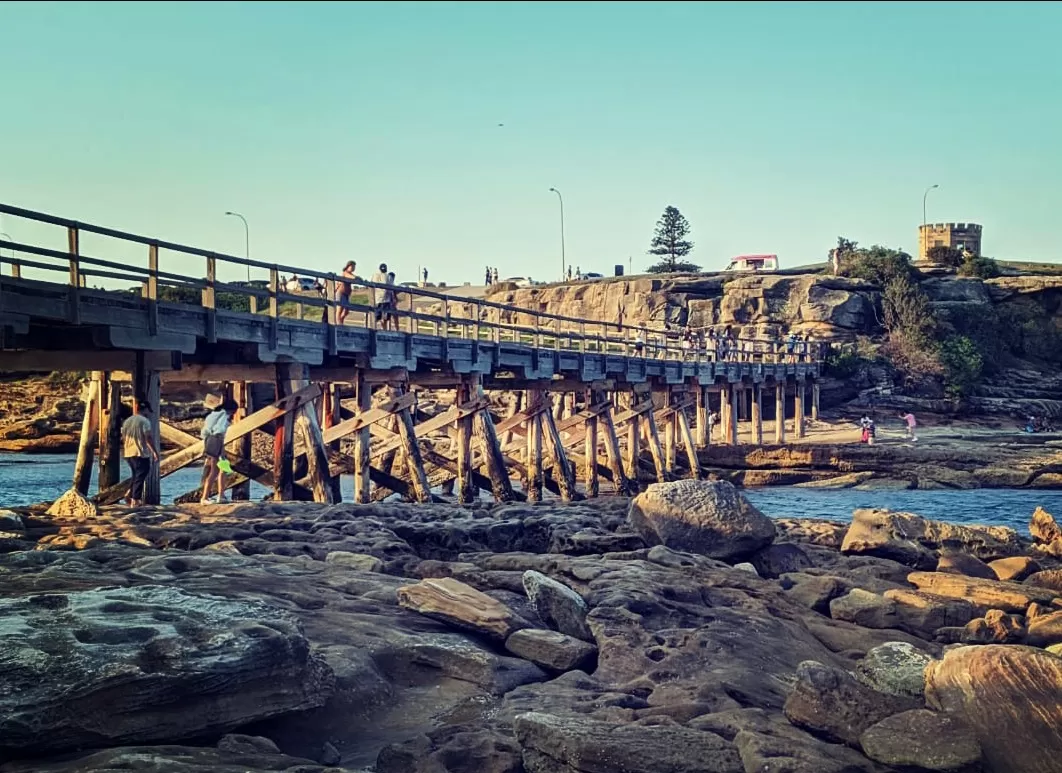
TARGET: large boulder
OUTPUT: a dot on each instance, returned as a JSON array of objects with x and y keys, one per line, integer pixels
[
  {"x": 1045, "y": 630},
  {"x": 582, "y": 745},
  {"x": 73, "y": 506},
  {"x": 916, "y": 541},
  {"x": 557, "y": 605},
  {"x": 1012, "y": 698},
  {"x": 1043, "y": 527},
  {"x": 707, "y": 517},
  {"x": 923, "y": 740},
  {"x": 830, "y": 702},
  {"x": 121, "y": 666},
  {"x": 1050, "y": 579}
]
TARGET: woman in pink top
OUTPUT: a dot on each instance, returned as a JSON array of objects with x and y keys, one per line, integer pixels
[{"x": 911, "y": 424}]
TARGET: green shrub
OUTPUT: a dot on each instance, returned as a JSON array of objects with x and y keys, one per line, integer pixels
[
  {"x": 963, "y": 365},
  {"x": 979, "y": 266}
]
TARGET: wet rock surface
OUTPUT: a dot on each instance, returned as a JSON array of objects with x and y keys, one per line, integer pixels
[{"x": 522, "y": 653}]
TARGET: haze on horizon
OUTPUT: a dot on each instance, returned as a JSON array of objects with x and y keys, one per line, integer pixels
[{"x": 429, "y": 134}]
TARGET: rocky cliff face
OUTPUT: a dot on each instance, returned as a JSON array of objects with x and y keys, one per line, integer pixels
[{"x": 827, "y": 307}]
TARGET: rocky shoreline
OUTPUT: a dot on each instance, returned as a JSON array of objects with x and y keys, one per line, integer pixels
[{"x": 680, "y": 632}]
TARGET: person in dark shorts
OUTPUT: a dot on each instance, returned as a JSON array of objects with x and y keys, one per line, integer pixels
[
  {"x": 138, "y": 448},
  {"x": 214, "y": 428}
]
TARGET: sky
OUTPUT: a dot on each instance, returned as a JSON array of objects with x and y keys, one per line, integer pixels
[{"x": 429, "y": 134}]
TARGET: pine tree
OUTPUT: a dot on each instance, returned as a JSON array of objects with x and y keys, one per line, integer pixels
[{"x": 670, "y": 243}]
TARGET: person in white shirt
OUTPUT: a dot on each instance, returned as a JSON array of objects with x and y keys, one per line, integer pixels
[
  {"x": 214, "y": 428},
  {"x": 379, "y": 294}
]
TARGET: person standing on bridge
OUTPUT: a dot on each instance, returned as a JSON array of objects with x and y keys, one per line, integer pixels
[
  {"x": 213, "y": 434},
  {"x": 139, "y": 450},
  {"x": 345, "y": 288},
  {"x": 379, "y": 294}
]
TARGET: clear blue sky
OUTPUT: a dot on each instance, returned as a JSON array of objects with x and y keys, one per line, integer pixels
[{"x": 370, "y": 131}]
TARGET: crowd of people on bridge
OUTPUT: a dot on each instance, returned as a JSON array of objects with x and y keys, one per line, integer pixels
[{"x": 724, "y": 345}]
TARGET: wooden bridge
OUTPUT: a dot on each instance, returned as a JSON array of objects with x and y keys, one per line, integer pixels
[{"x": 591, "y": 399}]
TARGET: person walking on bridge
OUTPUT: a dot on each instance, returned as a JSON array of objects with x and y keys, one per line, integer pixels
[{"x": 139, "y": 450}]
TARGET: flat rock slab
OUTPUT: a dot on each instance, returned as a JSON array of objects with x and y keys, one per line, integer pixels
[
  {"x": 984, "y": 595},
  {"x": 116, "y": 666},
  {"x": 461, "y": 606},
  {"x": 587, "y": 745},
  {"x": 173, "y": 759},
  {"x": 1012, "y": 699},
  {"x": 551, "y": 649}
]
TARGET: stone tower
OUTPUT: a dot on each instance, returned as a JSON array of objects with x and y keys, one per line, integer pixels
[{"x": 961, "y": 236}]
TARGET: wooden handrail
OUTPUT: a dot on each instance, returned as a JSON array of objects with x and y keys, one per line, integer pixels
[{"x": 603, "y": 336}]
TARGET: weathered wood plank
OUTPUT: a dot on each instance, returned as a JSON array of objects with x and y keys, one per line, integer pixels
[
  {"x": 563, "y": 472},
  {"x": 89, "y": 428}
]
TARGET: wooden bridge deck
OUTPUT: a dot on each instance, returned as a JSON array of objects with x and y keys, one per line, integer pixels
[{"x": 53, "y": 318}]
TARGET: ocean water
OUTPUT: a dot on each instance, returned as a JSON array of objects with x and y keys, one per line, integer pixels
[{"x": 26, "y": 480}]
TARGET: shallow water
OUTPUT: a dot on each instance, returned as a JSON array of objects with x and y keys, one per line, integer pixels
[{"x": 26, "y": 480}]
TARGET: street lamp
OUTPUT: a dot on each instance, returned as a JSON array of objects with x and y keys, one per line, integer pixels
[
  {"x": 925, "y": 233},
  {"x": 564, "y": 263},
  {"x": 246, "y": 241}
]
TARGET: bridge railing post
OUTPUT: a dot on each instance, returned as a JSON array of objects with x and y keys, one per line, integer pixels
[
  {"x": 274, "y": 286},
  {"x": 153, "y": 289},
  {"x": 331, "y": 314},
  {"x": 208, "y": 297},
  {"x": 478, "y": 311},
  {"x": 74, "y": 247}
]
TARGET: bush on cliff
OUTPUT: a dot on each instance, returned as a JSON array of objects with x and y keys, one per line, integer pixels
[
  {"x": 963, "y": 366},
  {"x": 979, "y": 266}
]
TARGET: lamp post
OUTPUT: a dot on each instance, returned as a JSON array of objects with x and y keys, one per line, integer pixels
[
  {"x": 564, "y": 262},
  {"x": 246, "y": 240},
  {"x": 925, "y": 233}
]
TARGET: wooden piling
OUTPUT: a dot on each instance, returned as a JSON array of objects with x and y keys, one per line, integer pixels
[
  {"x": 89, "y": 427},
  {"x": 110, "y": 432},
  {"x": 684, "y": 432},
  {"x": 620, "y": 483},
  {"x": 779, "y": 413},
  {"x": 634, "y": 450},
  {"x": 798, "y": 410},
  {"x": 284, "y": 442},
  {"x": 418, "y": 478},
  {"x": 534, "y": 450},
  {"x": 815, "y": 390},
  {"x": 702, "y": 438},
  {"x": 732, "y": 424},
  {"x": 757, "y": 414},
  {"x": 465, "y": 490},
  {"x": 563, "y": 471},
  {"x": 309, "y": 434},
  {"x": 669, "y": 435},
  {"x": 501, "y": 486},
  {"x": 241, "y": 395},
  {"x": 653, "y": 441},
  {"x": 362, "y": 481},
  {"x": 590, "y": 453}
]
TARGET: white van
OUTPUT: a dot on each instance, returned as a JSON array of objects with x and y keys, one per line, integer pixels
[{"x": 745, "y": 263}]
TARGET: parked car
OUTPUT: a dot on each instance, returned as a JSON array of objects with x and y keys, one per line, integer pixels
[
  {"x": 520, "y": 281},
  {"x": 745, "y": 263},
  {"x": 592, "y": 277}
]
